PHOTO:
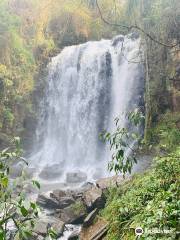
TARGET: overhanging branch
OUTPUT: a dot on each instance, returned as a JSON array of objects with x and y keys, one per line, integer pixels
[{"x": 129, "y": 28}]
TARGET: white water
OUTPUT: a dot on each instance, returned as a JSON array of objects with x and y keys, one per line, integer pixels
[{"x": 88, "y": 86}]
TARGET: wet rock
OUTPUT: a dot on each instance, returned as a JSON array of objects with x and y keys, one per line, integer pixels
[
  {"x": 58, "y": 226},
  {"x": 74, "y": 236},
  {"x": 116, "y": 40},
  {"x": 42, "y": 226},
  {"x": 90, "y": 218},
  {"x": 51, "y": 172},
  {"x": 58, "y": 194},
  {"x": 65, "y": 202},
  {"x": 47, "y": 202},
  {"x": 76, "y": 177},
  {"x": 105, "y": 183},
  {"x": 35, "y": 236},
  {"x": 94, "y": 198},
  {"x": 73, "y": 214},
  {"x": 86, "y": 186}
]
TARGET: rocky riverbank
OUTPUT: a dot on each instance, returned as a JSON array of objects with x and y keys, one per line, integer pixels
[{"x": 71, "y": 212}]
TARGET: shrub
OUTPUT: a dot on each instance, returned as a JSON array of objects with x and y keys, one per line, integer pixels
[
  {"x": 16, "y": 209},
  {"x": 150, "y": 201}
]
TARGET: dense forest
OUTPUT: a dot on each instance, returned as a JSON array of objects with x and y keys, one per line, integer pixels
[{"x": 34, "y": 31}]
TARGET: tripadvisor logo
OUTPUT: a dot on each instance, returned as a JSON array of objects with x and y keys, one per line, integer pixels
[{"x": 138, "y": 231}]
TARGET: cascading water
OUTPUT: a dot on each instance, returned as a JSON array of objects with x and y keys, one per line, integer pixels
[{"x": 88, "y": 86}]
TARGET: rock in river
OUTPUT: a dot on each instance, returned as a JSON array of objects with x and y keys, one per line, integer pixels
[
  {"x": 74, "y": 214},
  {"x": 76, "y": 177},
  {"x": 42, "y": 226},
  {"x": 94, "y": 198}
]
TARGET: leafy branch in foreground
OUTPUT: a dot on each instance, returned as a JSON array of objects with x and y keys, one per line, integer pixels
[
  {"x": 123, "y": 142},
  {"x": 17, "y": 213}
]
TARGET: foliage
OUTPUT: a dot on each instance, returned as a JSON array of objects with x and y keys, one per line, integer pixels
[
  {"x": 17, "y": 212},
  {"x": 8, "y": 116},
  {"x": 166, "y": 134},
  {"x": 123, "y": 143},
  {"x": 150, "y": 201}
]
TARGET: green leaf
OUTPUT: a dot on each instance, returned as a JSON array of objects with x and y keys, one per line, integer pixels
[
  {"x": 2, "y": 235},
  {"x": 33, "y": 205},
  {"x": 5, "y": 182},
  {"x": 36, "y": 183},
  {"x": 120, "y": 153},
  {"x": 24, "y": 211}
]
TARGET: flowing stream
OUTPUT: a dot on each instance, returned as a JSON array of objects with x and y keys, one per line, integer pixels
[{"x": 88, "y": 86}]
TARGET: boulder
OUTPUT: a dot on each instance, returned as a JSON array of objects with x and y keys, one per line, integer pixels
[
  {"x": 86, "y": 186},
  {"x": 76, "y": 177},
  {"x": 58, "y": 194},
  {"x": 42, "y": 226},
  {"x": 51, "y": 172},
  {"x": 35, "y": 236},
  {"x": 58, "y": 226},
  {"x": 94, "y": 198},
  {"x": 65, "y": 202},
  {"x": 90, "y": 218},
  {"x": 74, "y": 214},
  {"x": 105, "y": 183},
  {"x": 47, "y": 202}
]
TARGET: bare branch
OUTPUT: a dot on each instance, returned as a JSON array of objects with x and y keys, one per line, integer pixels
[{"x": 129, "y": 28}]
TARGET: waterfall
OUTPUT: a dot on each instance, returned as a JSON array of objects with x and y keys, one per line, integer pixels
[{"x": 88, "y": 86}]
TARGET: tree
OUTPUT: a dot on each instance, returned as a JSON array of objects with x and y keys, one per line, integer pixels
[{"x": 123, "y": 143}]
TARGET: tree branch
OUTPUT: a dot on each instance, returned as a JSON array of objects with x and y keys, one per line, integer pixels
[{"x": 129, "y": 28}]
